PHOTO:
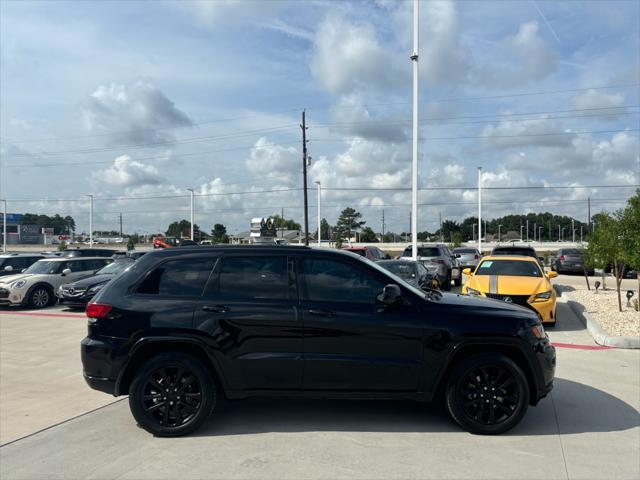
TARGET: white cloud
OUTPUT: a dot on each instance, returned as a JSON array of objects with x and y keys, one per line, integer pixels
[
  {"x": 619, "y": 152},
  {"x": 510, "y": 133},
  {"x": 126, "y": 172},
  {"x": 269, "y": 159},
  {"x": 137, "y": 110},
  {"x": 602, "y": 103},
  {"x": 524, "y": 58}
]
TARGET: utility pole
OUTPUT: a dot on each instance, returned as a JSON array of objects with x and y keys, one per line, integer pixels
[
  {"x": 527, "y": 229},
  {"x": 304, "y": 178},
  {"x": 535, "y": 230},
  {"x": 414, "y": 174},
  {"x": 441, "y": 234},
  {"x": 573, "y": 231},
  {"x": 4, "y": 226},
  {"x": 540, "y": 228},
  {"x": 580, "y": 233},
  {"x": 383, "y": 225},
  {"x": 120, "y": 224},
  {"x": 480, "y": 209},
  {"x": 319, "y": 221},
  {"x": 589, "y": 213},
  {"x": 90, "y": 220},
  {"x": 190, "y": 190},
  {"x": 559, "y": 233}
]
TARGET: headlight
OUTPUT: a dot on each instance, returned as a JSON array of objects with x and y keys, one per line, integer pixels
[
  {"x": 96, "y": 289},
  {"x": 18, "y": 284},
  {"x": 473, "y": 291},
  {"x": 542, "y": 297}
]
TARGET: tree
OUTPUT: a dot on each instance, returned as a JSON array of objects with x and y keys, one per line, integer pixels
[
  {"x": 281, "y": 223},
  {"x": 368, "y": 235},
  {"x": 62, "y": 246},
  {"x": 348, "y": 222},
  {"x": 630, "y": 227},
  {"x": 182, "y": 229},
  {"x": 219, "y": 233},
  {"x": 605, "y": 248},
  {"x": 325, "y": 229},
  {"x": 131, "y": 244}
]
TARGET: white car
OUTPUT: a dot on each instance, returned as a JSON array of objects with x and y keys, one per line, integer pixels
[{"x": 37, "y": 285}]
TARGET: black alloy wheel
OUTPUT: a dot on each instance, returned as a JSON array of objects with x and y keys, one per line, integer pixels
[
  {"x": 172, "y": 395},
  {"x": 488, "y": 394}
]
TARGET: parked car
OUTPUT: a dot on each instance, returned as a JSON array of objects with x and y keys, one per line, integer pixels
[
  {"x": 467, "y": 257},
  {"x": 516, "y": 250},
  {"x": 88, "y": 252},
  {"x": 627, "y": 272},
  {"x": 570, "y": 260},
  {"x": 12, "y": 263},
  {"x": 444, "y": 260},
  {"x": 187, "y": 243},
  {"x": 182, "y": 327},
  {"x": 414, "y": 273},
  {"x": 372, "y": 253},
  {"x": 165, "y": 242},
  {"x": 77, "y": 294},
  {"x": 519, "y": 280},
  {"x": 136, "y": 254},
  {"x": 36, "y": 287}
]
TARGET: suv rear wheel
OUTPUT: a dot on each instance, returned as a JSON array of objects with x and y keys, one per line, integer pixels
[
  {"x": 487, "y": 394},
  {"x": 172, "y": 394}
]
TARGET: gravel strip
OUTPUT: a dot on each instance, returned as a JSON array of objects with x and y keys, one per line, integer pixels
[{"x": 603, "y": 308}]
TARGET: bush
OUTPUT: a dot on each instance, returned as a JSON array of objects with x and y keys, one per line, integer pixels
[
  {"x": 62, "y": 246},
  {"x": 131, "y": 244}
]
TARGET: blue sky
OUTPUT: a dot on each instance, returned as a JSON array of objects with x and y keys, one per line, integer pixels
[{"x": 131, "y": 100}]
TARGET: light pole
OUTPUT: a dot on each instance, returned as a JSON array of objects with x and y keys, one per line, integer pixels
[
  {"x": 521, "y": 227},
  {"x": 480, "y": 209},
  {"x": 90, "y": 220},
  {"x": 580, "y": 233},
  {"x": 539, "y": 234},
  {"x": 190, "y": 190},
  {"x": 319, "y": 226},
  {"x": 473, "y": 231},
  {"x": 527, "y": 230},
  {"x": 573, "y": 231},
  {"x": 414, "y": 175},
  {"x": 499, "y": 235},
  {"x": 4, "y": 226},
  {"x": 562, "y": 233}
]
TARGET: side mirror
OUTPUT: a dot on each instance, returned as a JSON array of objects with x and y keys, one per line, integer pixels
[
  {"x": 541, "y": 259},
  {"x": 467, "y": 271},
  {"x": 23, "y": 270},
  {"x": 66, "y": 271},
  {"x": 552, "y": 274},
  {"x": 458, "y": 255},
  {"x": 8, "y": 268},
  {"x": 390, "y": 295}
]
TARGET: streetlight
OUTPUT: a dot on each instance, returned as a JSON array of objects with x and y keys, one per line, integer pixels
[
  {"x": 539, "y": 234},
  {"x": 562, "y": 234},
  {"x": 521, "y": 227},
  {"x": 499, "y": 237},
  {"x": 4, "y": 227},
  {"x": 414, "y": 160},
  {"x": 190, "y": 190},
  {"x": 90, "y": 220},
  {"x": 480, "y": 209},
  {"x": 319, "y": 229},
  {"x": 573, "y": 231}
]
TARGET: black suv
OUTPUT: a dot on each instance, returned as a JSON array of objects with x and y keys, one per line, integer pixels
[
  {"x": 523, "y": 251},
  {"x": 88, "y": 252},
  {"x": 184, "y": 326}
]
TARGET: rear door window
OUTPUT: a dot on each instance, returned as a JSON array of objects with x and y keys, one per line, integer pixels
[
  {"x": 181, "y": 278},
  {"x": 254, "y": 278},
  {"x": 335, "y": 281}
]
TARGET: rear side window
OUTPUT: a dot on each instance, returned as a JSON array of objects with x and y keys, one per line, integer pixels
[
  {"x": 182, "y": 278},
  {"x": 254, "y": 278},
  {"x": 332, "y": 281}
]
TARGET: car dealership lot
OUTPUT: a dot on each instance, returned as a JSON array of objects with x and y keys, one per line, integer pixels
[{"x": 588, "y": 428}]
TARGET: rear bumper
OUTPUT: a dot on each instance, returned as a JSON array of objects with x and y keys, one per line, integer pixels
[{"x": 102, "y": 362}]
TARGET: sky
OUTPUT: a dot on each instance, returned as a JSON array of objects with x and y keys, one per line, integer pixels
[{"x": 136, "y": 102}]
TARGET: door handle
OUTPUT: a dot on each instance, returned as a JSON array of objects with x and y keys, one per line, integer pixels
[
  {"x": 215, "y": 308},
  {"x": 321, "y": 313}
]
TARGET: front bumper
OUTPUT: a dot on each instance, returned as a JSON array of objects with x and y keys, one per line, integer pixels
[
  {"x": 11, "y": 297},
  {"x": 546, "y": 358}
]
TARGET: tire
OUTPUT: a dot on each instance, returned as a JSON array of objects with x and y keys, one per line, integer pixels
[
  {"x": 40, "y": 297},
  {"x": 153, "y": 414},
  {"x": 481, "y": 373},
  {"x": 446, "y": 286},
  {"x": 458, "y": 281}
]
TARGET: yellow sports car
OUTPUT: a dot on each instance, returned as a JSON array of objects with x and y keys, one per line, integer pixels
[{"x": 518, "y": 280}]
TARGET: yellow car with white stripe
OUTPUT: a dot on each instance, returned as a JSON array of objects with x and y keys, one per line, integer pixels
[{"x": 514, "y": 279}]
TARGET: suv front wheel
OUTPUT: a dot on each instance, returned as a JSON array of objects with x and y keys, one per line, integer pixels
[
  {"x": 487, "y": 394},
  {"x": 172, "y": 394}
]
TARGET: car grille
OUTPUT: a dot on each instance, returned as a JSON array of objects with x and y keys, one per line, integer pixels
[
  {"x": 72, "y": 292},
  {"x": 515, "y": 299},
  {"x": 4, "y": 293}
]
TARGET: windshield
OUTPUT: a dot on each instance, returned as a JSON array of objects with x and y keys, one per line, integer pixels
[
  {"x": 362, "y": 253},
  {"x": 114, "y": 268},
  {"x": 526, "y": 252},
  {"x": 403, "y": 270},
  {"x": 422, "y": 252},
  {"x": 464, "y": 250},
  {"x": 512, "y": 268},
  {"x": 45, "y": 267}
]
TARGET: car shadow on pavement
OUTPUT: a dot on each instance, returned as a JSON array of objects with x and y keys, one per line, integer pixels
[
  {"x": 581, "y": 408},
  {"x": 560, "y": 289}
]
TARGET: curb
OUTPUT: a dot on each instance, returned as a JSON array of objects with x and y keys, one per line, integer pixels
[{"x": 600, "y": 337}]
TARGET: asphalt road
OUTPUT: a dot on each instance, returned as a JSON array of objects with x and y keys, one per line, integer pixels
[{"x": 589, "y": 427}]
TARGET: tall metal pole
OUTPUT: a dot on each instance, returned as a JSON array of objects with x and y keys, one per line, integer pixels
[
  {"x": 573, "y": 231},
  {"x": 4, "y": 226},
  {"x": 414, "y": 175},
  {"x": 190, "y": 190},
  {"x": 499, "y": 236},
  {"x": 319, "y": 224},
  {"x": 90, "y": 220},
  {"x": 480, "y": 209},
  {"x": 304, "y": 176},
  {"x": 527, "y": 230}
]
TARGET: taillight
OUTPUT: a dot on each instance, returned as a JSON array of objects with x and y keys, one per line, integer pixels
[
  {"x": 562, "y": 258},
  {"x": 98, "y": 310},
  {"x": 476, "y": 257}
]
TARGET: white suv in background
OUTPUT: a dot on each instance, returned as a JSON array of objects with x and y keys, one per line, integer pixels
[{"x": 37, "y": 285}]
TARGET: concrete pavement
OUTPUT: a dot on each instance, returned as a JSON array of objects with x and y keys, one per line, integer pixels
[{"x": 588, "y": 428}]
